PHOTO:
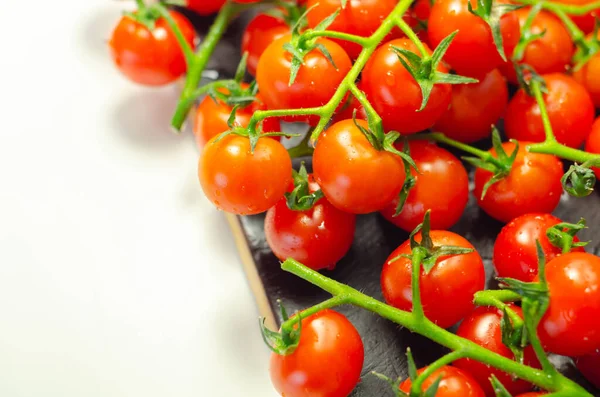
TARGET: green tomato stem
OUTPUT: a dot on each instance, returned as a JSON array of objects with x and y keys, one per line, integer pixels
[
  {"x": 539, "y": 97},
  {"x": 417, "y": 386},
  {"x": 188, "y": 53},
  {"x": 363, "y": 41},
  {"x": 488, "y": 298},
  {"x": 336, "y": 300},
  {"x": 577, "y": 34},
  {"x": 373, "y": 117},
  {"x": 562, "y": 151},
  {"x": 418, "y": 254},
  {"x": 568, "y": 8},
  {"x": 407, "y": 30},
  {"x": 141, "y": 4}
]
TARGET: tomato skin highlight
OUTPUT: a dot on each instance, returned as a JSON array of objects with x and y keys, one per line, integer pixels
[
  {"x": 589, "y": 366},
  {"x": 327, "y": 363},
  {"x": 570, "y": 109},
  {"x": 384, "y": 76},
  {"x": 150, "y": 58},
  {"x": 592, "y": 145},
  {"x": 315, "y": 84},
  {"x": 472, "y": 52},
  {"x": 475, "y": 108},
  {"x": 482, "y": 326},
  {"x": 317, "y": 238},
  {"x": 354, "y": 176},
  {"x": 441, "y": 187},
  {"x": 588, "y": 77},
  {"x": 258, "y": 35},
  {"x": 446, "y": 298},
  {"x": 515, "y": 251},
  {"x": 533, "y": 185},
  {"x": 454, "y": 383},
  {"x": 239, "y": 182},
  {"x": 570, "y": 326}
]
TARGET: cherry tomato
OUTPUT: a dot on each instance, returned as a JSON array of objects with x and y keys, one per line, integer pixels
[
  {"x": 585, "y": 22},
  {"x": 592, "y": 145},
  {"x": 258, "y": 35},
  {"x": 515, "y": 251},
  {"x": 454, "y": 383},
  {"x": 442, "y": 186},
  {"x": 587, "y": 76},
  {"x": 550, "y": 53},
  {"x": 589, "y": 366},
  {"x": 151, "y": 58},
  {"x": 475, "y": 108},
  {"x": 355, "y": 176},
  {"x": 482, "y": 326},
  {"x": 244, "y": 183},
  {"x": 446, "y": 298},
  {"x": 205, "y": 7},
  {"x": 570, "y": 326},
  {"x": 327, "y": 362},
  {"x": 472, "y": 52},
  {"x": 318, "y": 238},
  {"x": 384, "y": 77},
  {"x": 361, "y": 18},
  {"x": 315, "y": 84},
  {"x": 533, "y": 185},
  {"x": 570, "y": 109}
]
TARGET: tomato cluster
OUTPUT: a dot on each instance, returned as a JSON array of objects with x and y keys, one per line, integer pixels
[{"x": 407, "y": 85}]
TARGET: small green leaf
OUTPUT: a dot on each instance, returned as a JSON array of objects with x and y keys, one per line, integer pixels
[
  {"x": 562, "y": 235},
  {"x": 441, "y": 49},
  {"x": 499, "y": 388},
  {"x": 513, "y": 337},
  {"x": 388, "y": 145},
  {"x": 326, "y": 53},
  {"x": 479, "y": 163},
  {"x": 491, "y": 12},
  {"x": 394, "y": 384},
  {"x": 445, "y": 78},
  {"x": 413, "y": 59},
  {"x": 412, "y": 367},
  {"x": 492, "y": 181},
  {"x": 409, "y": 181},
  {"x": 241, "y": 69},
  {"x": 433, "y": 389},
  {"x": 231, "y": 119},
  {"x": 301, "y": 198},
  {"x": 325, "y": 23}
]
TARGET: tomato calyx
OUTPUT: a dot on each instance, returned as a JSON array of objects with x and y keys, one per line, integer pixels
[
  {"x": 527, "y": 36},
  {"x": 579, "y": 180},
  {"x": 529, "y": 79},
  {"x": 285, "y": 342},
  {"x": 233, "y": 92},
  {"x": 423, "y": 68},
  {"x": 290, "y": 12},
  {"x": 145, "y": 15},
  {"x": 409, "y": 182},
  {"x": 562, "y": 235},
  {"x": 500, "y": 166},
  {"x": 491, "y": 13},
  {"x": 514, "y": 333},
  {"x": 499, "y": 388},
  {"x": 301, "y": 198}
]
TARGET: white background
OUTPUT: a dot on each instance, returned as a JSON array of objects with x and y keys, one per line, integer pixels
[{"x": 117, "y": 278}]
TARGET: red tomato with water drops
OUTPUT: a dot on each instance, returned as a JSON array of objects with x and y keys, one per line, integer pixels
[
  {"x": 589, "y": 366},
  {"x": 327, "y": 363},
  {"x": 354, "y": 176},
  {"x": 454, "y": 383},
  {"x": 212, "y": 116},
  {"x": 205, "y": 7},
  {"x": 550, "y": 53},
  {"x": 475, "y": 108},
  {"x": 592, "y": 145},
  {"x": 446, "y": 291},
  {"x": 317, "y": 238},
  {"x": 258, "y": 35},
  {"x": 515, "y": 250},
  {"x": 483, "y": 327},
  {"x": 472, "y": 52},
  {"x": 588, "y": 77},
  {"x": 570, "y": 326},
  {"x": 315, "y": 84},
  {"x": 533, "y": 185},
  {"x": 240, "y": 182},
  {"x": 384, "y": 77},
  {"x": 570, "y": 109},
  {"x": 442, "y": 186},
  {"x": 151, "y": 58},
  {"x": 361, "y": 18}
]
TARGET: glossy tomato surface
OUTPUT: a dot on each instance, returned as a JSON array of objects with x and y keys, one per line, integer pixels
[
  {"x": 588, "y": 77},
  {"x": 327, "y": 362},
  {"x": 205, "y": 7},
  {"x": 454, "y": 383},
  {"x": 446, "y": 291},
  {"x": 259, "y": 34}
]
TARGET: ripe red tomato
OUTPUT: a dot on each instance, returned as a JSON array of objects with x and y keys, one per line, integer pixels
[
  {"x": 515, "y": 251},
  {"x": 446, "y": 298},
  {"x": 570, "y": 326},
  {"x": 205, "y": 7},
  {"x": 258, "y": 35},
  {"x": 533, "y": 185},
  {"x": 454, "y": 383},
  {"x": 587, "y": 76},
  {"x": 592, "y": 145},
  {"x": 590, "y": 367},
  {"x": 570, "y": 109},
  {"x": 315, "y": 84},
  {"x": 585, "y": 22},
  {"x": 442, "y": 187},
  {"x": 482, "y": 326},
  {"x": 244, "y": 183},
  {"x": 355, "y": 176},
  {"x": 551, "y": 53},
  {"x": 327, "y": 362},
  {"x": 361, "y": 18},
  {"x": 318, "y": 238},
  {"x": 475, "y": 108},
  {"x": 151, "y": 58},
  {"x": 384, "y": 77},
  {"x": 472, "y": 52}
]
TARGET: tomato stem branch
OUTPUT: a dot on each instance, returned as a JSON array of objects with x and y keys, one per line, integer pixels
[
  {"x": 539, "y": 97},
  {"x": 188, "y": 53},
  {"x": 418, "y": 254},
  {"x": 407, "y": 30},
  {"x": 567, "y": 8},
  {"x": 363, "y": 41},
  {"x": 417, "y": 386}
]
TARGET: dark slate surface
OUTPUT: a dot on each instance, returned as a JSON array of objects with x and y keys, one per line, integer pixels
[{"x": 385, "y": 342}]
